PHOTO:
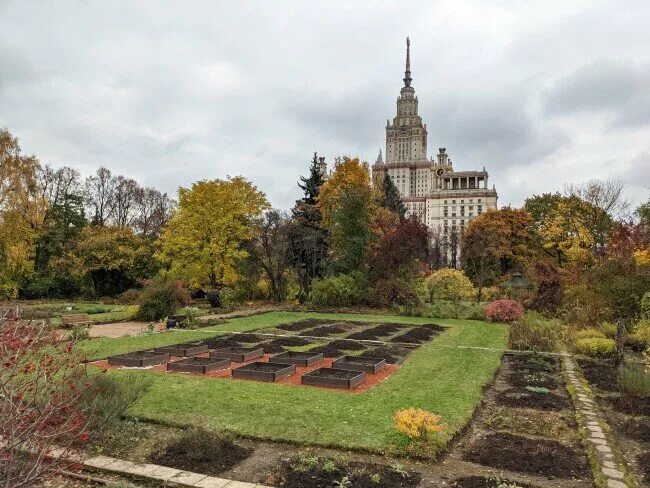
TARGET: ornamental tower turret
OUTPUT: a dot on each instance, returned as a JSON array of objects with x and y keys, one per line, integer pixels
[{"x": 406, "y": 136}]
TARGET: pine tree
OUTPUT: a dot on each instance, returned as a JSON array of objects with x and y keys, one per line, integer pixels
[
  {"x": 308, "y": 240},
  {"x": 391, "y": 199}
]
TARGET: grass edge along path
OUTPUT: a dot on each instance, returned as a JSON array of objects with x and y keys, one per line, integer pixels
[{"x": 447, "y": 381}]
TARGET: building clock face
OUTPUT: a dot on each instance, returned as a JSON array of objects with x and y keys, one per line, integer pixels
[{"x": 440, "y": 171}]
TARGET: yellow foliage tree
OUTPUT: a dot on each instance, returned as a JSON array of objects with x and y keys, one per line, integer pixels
[
  {"x": 450, "y": 284},
  {"x": 565, "y": 234},
  {"x": 202, "y": 242},
  {"x": 418, "y": 424}
]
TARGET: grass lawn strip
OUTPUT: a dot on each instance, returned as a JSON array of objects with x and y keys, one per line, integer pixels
[{"x": 447, "y": 381}]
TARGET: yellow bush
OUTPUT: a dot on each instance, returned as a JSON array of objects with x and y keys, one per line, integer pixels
[
  {"x": 417, "y": 424},
  {"x": 608, "y": 329},
  {"x": 589, "y": 333},
  {"x": 598, "y": 347},
  {"x": 639, "y": 339},
  {"x": 450, "y": 284}
]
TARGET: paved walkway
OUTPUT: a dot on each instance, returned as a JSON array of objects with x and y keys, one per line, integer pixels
[
  {"x": 601, "y": 449},
  {"x": 163, "y": 474}
]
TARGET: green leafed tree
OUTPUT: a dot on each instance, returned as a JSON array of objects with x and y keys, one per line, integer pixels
[{"x": 390, "y": 197}]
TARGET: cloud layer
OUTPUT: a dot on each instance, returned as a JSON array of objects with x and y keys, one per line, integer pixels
[{"x": 170, "y": 93}]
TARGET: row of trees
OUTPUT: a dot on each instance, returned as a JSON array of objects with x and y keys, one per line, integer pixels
[{"x": 55, "y": 226}]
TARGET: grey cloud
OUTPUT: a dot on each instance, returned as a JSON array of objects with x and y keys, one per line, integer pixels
[{"x": 621, "y": 88}]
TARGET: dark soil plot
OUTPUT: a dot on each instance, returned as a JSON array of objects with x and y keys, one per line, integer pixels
[
  {"x": 281, "y": 343},
  {"x": 522, "y": 378},
  {"x": 303, "y": 324},
  {"x": 631, "y": 405},
  {"x": 643, "y": 460},
  {"x": 601, "y": 374},
  {"x": 516, "y": 453},
  {"x": 486, "y": 482},
  {"x": 418, "y": 334},
  {"x": 391, "y": 354},
  {"x": 533, "y": 363},
  {"x": 328, "y": 474},
  {"x": 221, "y": 342},
  {"x": 323, "y": 331},
  {"x": 202, "y": 452},
  {"x": 347, "y": 345},
  {"x": 522, "y": 397},
  {"x": 637, "y": 429},
  {"x": 375, "y": 333},
  {"x": 250, "y": 338},
  {"x": 328, "y": 351}
]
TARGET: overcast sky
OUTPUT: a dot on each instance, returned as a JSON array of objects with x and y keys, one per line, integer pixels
[{"x": 540, "y": 93}]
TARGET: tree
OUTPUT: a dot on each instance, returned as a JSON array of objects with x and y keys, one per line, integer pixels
[
  {"x": 269, "y": 250},
  {"x": 643, "y": 213},
  {"x": 346, "y": 201},
  {"x": 41, "y": 383},
  {"x": 100, "y": 196},
  {"x": 308, "y": 240},
  {"x": 113, "y": 258},
  {"x": 390, "y": 197},
  {"x": 202, "y": 243},
  {"x": 22, "y": 210},
  {"x": 126, "y": 193},
  {"x": 152, "y": 210}
]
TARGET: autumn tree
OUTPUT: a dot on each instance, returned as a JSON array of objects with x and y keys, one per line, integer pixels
[
  {"x": 22, "y": 210},
  {"x": 100, "y": 196},
  {"x": 269, "y": 250},
  {"x": 308, "y": 239},
  {"x": 202, "y": 243},
  {"x": 346, "y": 201},
  {"x": 112, "y": 258},
  {"x": 483, "y": 242}
]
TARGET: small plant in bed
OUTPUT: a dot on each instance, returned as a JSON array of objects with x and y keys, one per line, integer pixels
[
  {"x": 201, "y": 451},
  {"x": 487, "y": 482},
  {"x": 314, "y": 472}
]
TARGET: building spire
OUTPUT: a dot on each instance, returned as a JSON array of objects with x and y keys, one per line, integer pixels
[{"x": 407, "y": 72}]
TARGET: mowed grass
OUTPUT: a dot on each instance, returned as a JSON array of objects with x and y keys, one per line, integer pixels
[{"x": 439, "y": 377}]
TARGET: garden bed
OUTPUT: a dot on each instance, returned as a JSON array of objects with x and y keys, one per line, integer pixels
[
  {"x": 304, "y": 324},
  {"x": 260, "y": 371},
  {"x": 238, "y": 354},
  {"x": 198, "y": 365},
  {"x": 184, "y": 350},
  {"x": 417, "y": 335},
  {"x": 323, "y": 331},
  {"x": 303, "y": 359},
  {"x": 334, "y": 378},
  {"x": 139, "y": 359},
  {"x": 531, "y": 397},
  {"x": 359, "y": 363},
  {"x": 487, "y": 482},
  {"x": 536, "y": 456}
]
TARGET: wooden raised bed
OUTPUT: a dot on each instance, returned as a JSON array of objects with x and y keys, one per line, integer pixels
[
  {"x": 334, "y": 377},
  {"x": 358, "y": 363},
  {"x": 198, "y": 365},
  {"x": 238, "y": 354},
  {"x": 139, "y": 359},
  {"x": 185, "y": 350},
  {"x": 302, "y": 359},
  {"x": 264, "y": 371}
]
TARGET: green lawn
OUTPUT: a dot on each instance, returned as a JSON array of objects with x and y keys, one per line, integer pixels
[{"x": 442, "y": 379}]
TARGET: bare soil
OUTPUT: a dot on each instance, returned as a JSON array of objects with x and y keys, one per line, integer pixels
[
  {"x": 521, "y": 397},
  {"x": 518, "y": 453},
  {"x": 486, "y": 482},
  {"x": 418, "y": 335},
  {"x": 304, "y": 324},
  {"x": 324, "y": 331}
]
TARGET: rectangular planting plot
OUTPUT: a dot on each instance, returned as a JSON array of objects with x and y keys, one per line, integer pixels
[
  {"x": 198, "y": 365},
  {"x": 184, "y": 350},
  {"x": 303, "y": 359},
  {"x": 239, "y": 354},
  {"x": 139, "y": 359},
  {"x": 264, "y": 371},
  {"x": 334, "y": 377},
  {"x": 357, "y": 363}
]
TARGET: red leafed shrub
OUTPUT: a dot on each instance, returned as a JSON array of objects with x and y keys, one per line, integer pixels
[
  {"x": 505, "y": 310},
  {"x": 41, "y": 381}
]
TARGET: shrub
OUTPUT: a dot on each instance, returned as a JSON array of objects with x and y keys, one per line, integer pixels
[
  {"x": 608, "y": 329},
  {"x": 336, "y": 291},
  {"x": 588, "y": 333},
  {"x": 597, "y": 347},
  {"x": 79, "y": 333},
  {"x": 639, "y": 338},
  {"x": 534, "y": 332},
  {"x": 161, "y": 299},
  {"x": 417, "y": 424},
  {"x": 132, "y": 296},
  {"x": 645, "y": 305},
  {"x": 503, "y": 310},
  {"x": 97, "y": 309},
  {"x": 450, "y": 284},
  {"x": 405, "y": 293},
  {"x": 635, "y": 380}
]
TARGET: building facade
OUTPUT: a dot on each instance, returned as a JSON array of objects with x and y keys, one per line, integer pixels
[{"x": 442, "y": 198}]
